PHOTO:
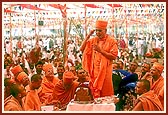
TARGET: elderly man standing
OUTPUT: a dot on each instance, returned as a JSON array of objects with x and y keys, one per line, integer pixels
[{"x": 98, "y": 54}]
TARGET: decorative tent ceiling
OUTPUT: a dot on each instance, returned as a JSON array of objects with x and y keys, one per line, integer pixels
[
  {"x": 134, "y": 12},
  {"x": 58, "y": 6}
]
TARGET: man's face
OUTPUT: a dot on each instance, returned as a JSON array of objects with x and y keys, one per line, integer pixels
[
  {"x": 73, "y": 70},
  {"x": 22, "y": 91},
  {"x": 145, "y": 68},
  {"x": 81, "y": 73},
  {"x": 49, "y": 71},
  {"x": 133, "y": 66},
  {"x": 25, "y": 81},
  {"x": 120, "y": 65},
  {"x": 115, "y": 67},
  {"x": 39, "y": 68},
  {"x": 153, "y": 61},
  {"x": 60, "y": 71},
  {"x": 139, "y": 89},
  {"x": 49, "y": 74},
  {"x": 100, "y": 32},
  {"x": 154, "y": 72},
  {"x": 31, "y": 66},
  {"x": 37, "y": 84}
]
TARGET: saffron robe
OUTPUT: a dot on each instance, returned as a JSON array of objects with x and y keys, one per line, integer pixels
[
  {"x": 150, "y": 102},
  {"x": 12, "y": 104},
  {"x": 158, "y": 88},
  {"x": 64, "y": 95},
  {"x": 32, "y": 101},
  {"x": 98, "y": 66},
  {"x": 47, "y": 89}
]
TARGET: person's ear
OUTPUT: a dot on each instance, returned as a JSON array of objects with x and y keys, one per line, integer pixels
[
  {"x": 145, "y": 90},
  {"x": 19, "y": 95}
]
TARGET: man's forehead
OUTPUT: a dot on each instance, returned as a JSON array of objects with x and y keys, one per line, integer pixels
[
  {"x": 154, "y": 60},
  {"x": 72, "y": 68},
  {"x": 81, "y": 70},
  {"x": 115, "y": 63},
  {"x": 134, "y": 62},
  {"x": 153, "y": 68},
  {"x": 145, "y": 64},
  {"x": 39, "y": 65},
  {"x": 139, "y": 83},
  {"x": 60, "y": 67}
]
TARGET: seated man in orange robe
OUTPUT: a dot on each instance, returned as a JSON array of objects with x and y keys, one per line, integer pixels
[
  {"x": 48, "y": 83},
  {"x": 98, "y": 55},
  {"x": 65, "y": 89},
  {"x": 145, "y": 72},
  {"x": 32, "y": 100},
  {"x": 147, "y": 100},
  {"x": 158, "y": 81},
  {"x": 14, "y": 101},
  {"x": 145, "y": 68}
]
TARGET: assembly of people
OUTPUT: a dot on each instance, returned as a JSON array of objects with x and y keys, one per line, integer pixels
[{"x": 104, "y": 58}]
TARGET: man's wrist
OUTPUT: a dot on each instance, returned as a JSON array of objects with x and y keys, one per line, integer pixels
[
  {"x": 88, "y": 36},
  {"x": 101, "y": 51}
]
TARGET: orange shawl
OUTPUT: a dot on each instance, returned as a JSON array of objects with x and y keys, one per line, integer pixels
[
  {"x": 158, "y": 88},
  {"x": 47, "y": 88},
  {"x": 63, "y": 95},
  {"x": 150, "y": 102},
  {"x": 32, "y": 101},
  {"x": 105, "y": 71},
  {"x": 12, "y": 104}
]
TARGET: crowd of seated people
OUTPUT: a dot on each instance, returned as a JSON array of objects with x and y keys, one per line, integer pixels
[{"x": 44, "y": 81}]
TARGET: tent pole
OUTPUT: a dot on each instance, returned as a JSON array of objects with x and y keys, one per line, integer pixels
[
  {"x": 126, "y": 27},
  {"x": 64, "y": 15},
  {"x": 11, "y": 39},
  {"x": 85, "y": 21}
]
